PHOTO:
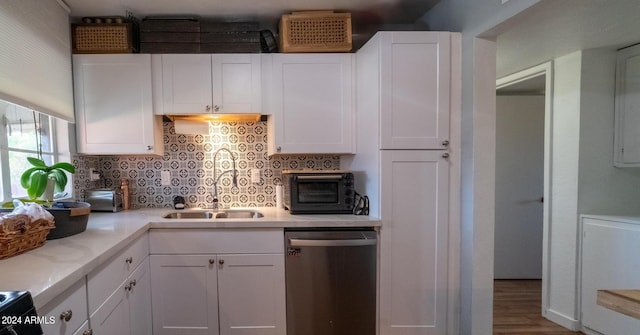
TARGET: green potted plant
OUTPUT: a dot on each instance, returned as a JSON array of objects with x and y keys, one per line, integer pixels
[
  {"x": 70, "y": 216},
  {"x": 36, "y": 179}
]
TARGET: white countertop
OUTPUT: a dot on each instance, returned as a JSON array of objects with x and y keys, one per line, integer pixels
[{"x": 49, "y": 270}]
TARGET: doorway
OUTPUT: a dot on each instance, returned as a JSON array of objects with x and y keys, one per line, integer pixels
[{"x": 523, "y": 175}]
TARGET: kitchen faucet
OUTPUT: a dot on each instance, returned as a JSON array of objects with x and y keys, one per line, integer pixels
[{"x": 234, "y": 173}]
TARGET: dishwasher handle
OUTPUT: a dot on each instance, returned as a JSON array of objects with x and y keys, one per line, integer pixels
[{"x": 295, "y": 242}]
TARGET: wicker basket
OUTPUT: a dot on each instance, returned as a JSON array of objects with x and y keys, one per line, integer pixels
[
  {"x": 103, "y": 38},
  {"x": 17, "y": 242},
  {"x": 319, "y": 31}
]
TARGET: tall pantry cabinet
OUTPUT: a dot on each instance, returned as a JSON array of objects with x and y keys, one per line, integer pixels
[{"x": 407, "y": 85}]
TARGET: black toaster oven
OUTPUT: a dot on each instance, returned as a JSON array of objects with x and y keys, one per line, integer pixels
[{"x": 318, "y": 191}]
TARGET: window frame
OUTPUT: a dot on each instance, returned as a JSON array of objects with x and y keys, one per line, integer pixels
[{"x": 5, "y": 181}]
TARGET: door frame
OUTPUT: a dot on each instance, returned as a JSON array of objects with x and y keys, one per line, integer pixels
[{"x": 545, "y": 69}]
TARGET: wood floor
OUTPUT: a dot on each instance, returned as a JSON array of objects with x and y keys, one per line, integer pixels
[{"x": 517, "y": 309}]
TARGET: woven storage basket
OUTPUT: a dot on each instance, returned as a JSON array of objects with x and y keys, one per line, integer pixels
[
  {"x": 17, "y": 242},
  {"x": 103, "y": 38},
  {"x": 321, "y": 31}
]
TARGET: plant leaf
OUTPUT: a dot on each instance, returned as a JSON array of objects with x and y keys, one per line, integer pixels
[
  {"x": 61, "y": 179},
  {"x": 64, "y": 166},
  {"x": 36, "y": 162},
  {"x": 25, "y": 179},
  {"x": 38, "y": 184}
]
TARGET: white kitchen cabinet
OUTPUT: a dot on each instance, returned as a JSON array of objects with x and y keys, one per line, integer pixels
[
  {"x": 218, "y": 292},
  {"x": 310, "y": 99},
  {"x": 413, "y": 88},
  {"x": 414, "y": 242},
  {"x": 69, "y": 310},
  {"x": 609, "y": 260},
  {"x": 114, "y": 112},
  {"x": 128, "y": 308},
  {"x": 627, "y": 108},
  {"x": 207, "y": 84}
]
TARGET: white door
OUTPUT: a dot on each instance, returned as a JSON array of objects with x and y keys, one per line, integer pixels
[
  {"x": 519, "y": 187},
  {"x": 184, "y": 292},
  {"x": 186, "y": 84},
  {"x": 140, "y": 300},
  {"x": 113, "y": 316},
  {"x": 415, "y": 90},
  {"x": 236, "y": 83},
  {"x": 413, "y": 242},
  {"x": 312, "y": 103},
  {"x": 251, "y": 294},
  {"x": 114, "y": 113}
]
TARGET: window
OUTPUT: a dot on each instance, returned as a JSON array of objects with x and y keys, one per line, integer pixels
[{"x": 24, "y": 133}]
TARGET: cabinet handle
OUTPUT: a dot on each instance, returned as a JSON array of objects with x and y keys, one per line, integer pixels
[
  {"x": 217, "y": 108},
  {"x": 221, "y": 261},
  {"x": 208, "y": 108},
  {"x": 445, "y": 155},
  {"x": 66, "y": 316},
  {"x": 133, "y": 282},
  {"x": 88, "y": 332},
  {"x": 445, "y": 143},
  {"x": 129, "y": 260},
  {"x": 212, "y": 261},
  {"x": 127, "y": 287}
]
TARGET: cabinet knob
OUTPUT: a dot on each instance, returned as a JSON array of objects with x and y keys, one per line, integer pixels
[
  {"x": 149, "y": 147},
  {"x": 445, "y": 155},
  {"x": 221, "y": 261},
  {"x": 133, "y": 282},
  {"x": 66, "y": 316},
  {"x": 128, "y": 287},
  {"x": 216, "y": 108},
  {"x": 129, "y": 260},
  {"x": 279, "y": 148},
  {"x": 208, "y": 108},
  {"x": 212, "y": 261},
  {"x": 445, "y": 142},
  {"x": 88, "y": 332}
]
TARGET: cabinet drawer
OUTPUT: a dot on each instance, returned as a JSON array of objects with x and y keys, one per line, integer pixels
[
  {"x": 208, "y": 241},
  {"x": 105, "y": 279},
  {"x": 73, "y": 304}
]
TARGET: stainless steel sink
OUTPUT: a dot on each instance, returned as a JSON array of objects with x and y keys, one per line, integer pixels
[
  {"x": 238, "y": 214},
  {"x": 222, "y": 214}
]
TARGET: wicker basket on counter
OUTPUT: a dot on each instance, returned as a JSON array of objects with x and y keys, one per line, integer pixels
[
  {"x": 30, "y": 236},
  {"x": 315, "y": 31}
]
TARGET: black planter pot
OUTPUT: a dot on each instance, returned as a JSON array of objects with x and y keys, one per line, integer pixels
[{"x": 70, "y": 218}]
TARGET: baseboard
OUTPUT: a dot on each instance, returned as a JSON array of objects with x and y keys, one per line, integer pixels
[{"x": 563, "y": 320}]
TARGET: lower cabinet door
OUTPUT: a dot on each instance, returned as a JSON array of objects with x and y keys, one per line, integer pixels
[
  {"x": 251, "y": 294},
  {"x": 113, "y": 315},
  {"x": 413, "y": 242},
  {"x": 140, "y": 300},
  {"x": 68, "y": 310},
  {"x": 184, "y": 291}
]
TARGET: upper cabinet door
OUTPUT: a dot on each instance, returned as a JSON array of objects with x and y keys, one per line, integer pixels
[
  {"x": 627, "y": 125},
  {"x": 312, "y": 103},
  {"x": 236, "y": 83},
  {"x": 114, "y": 113},
  {"x": 186, "y": 84},
  {"x": 415, "y": 90}
]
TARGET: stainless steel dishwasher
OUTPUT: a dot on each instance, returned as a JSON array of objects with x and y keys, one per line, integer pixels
[{"x": 331, "y": 282}]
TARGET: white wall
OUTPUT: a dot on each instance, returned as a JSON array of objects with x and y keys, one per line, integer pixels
[
  {"x": 474, "y": 18},
  {"x": 519, "y": 186},
  {"x": 602, "y": 188},
  {"x": 564, "y": 189}
]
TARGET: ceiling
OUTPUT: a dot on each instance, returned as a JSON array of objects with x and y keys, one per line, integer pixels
[
  {"x": 555, "y": 28},
  {"x": 367, "y": 15}
]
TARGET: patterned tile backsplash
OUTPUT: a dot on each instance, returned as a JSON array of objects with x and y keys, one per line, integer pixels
[{"x": 189, "y": 158}]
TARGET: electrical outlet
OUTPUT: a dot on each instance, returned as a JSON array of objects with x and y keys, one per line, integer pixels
[
  {"x": 255, "y": 176},
  {"x": 165, "y": 177}
]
